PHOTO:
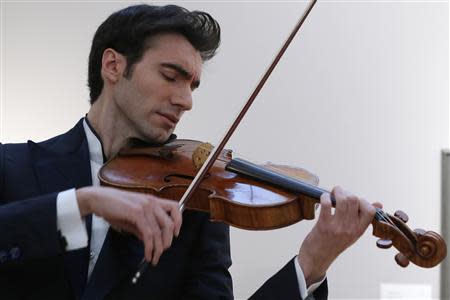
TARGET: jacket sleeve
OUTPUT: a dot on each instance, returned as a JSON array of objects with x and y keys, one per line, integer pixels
[
  {"x": 284, "y": 285},
  {"x": 27, "y": 227},
  {"x": 28, "y": 230}
]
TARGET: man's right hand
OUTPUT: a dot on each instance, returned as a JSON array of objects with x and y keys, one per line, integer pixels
[{"x": 153, "y": 220}]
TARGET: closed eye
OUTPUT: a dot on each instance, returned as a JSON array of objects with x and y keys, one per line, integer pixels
[{"x": 168, "y": 78}]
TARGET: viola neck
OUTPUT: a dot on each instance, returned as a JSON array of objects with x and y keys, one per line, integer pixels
[{"x": 256, "y": 172}]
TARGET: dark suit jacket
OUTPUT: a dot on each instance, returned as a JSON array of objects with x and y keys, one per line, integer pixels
[{"x": 35, "y": 265}]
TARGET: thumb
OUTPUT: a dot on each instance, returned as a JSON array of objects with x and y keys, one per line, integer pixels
[{"x": 377, "y": 204}]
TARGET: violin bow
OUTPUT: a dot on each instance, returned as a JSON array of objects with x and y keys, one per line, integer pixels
[{"x": 218, "y": 149}]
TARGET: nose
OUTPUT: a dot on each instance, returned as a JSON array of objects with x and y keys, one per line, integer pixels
[{"x": 183, "y": 100}]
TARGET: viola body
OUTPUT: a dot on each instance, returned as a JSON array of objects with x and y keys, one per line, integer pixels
[
  {"x": 166, "y": 171},
  {"x": 277, "y": 197}
]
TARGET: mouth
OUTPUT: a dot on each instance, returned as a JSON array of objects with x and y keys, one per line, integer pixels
[{"x": 170, "y": 117}]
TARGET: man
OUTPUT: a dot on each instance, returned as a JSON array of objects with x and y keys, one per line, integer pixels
[{"x": 65, "y": 237}]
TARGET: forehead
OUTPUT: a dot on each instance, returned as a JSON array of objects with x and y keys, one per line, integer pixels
[{"x": 174, "y": 48}]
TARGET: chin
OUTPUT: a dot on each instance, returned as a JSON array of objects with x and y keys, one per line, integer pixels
[{"x": 159, "y": 137}]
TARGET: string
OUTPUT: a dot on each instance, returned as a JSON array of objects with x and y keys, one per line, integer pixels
[{"x": 382, "y": 215}]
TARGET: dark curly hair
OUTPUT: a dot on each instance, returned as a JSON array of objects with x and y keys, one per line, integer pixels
[{"x": 128, "y": 31}]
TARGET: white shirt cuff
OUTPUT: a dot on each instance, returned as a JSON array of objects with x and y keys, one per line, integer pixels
[
  {"x": 69, "y": 221},
  {"x": 305, "y": 291}
]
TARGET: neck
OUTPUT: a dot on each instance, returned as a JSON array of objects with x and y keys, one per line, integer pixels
[{"x": 111, "y": 126}]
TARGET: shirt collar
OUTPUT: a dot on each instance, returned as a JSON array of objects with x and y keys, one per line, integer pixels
[{"x": 94, "y": 143}]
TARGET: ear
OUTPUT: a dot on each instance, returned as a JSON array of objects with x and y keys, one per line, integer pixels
[{"x": 113, "y": 65}]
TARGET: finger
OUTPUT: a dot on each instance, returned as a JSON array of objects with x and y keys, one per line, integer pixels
[
  {"x": 152, "y": 230},
  {"x": 146, "y": 234},
  {"x": 341, "y": 205},
  {"x": 353, "y": 214},
  {"x": 157, "y": 236},
  {"x": 347, "y": 214},
  {"x": 367, "y": 213},
  {"x": 166, "y": 225},
  {"x": 377, "y": 205},
  {"x": 337, "y": 191},
  {"x": 174, "y": 211},
  {"x": 135, "y": 216},
  {"x": 348, "y": 211},
  {"x": 353, "y": 203},
  {"x": 158, "y": 249},
  {"x": 325, "y": 207}
]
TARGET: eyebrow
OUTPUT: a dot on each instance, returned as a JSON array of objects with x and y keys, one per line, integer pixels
[{"x": 183, "y": 72}]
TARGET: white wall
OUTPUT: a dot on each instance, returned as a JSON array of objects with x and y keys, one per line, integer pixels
[{"x": 361, "y": 99}]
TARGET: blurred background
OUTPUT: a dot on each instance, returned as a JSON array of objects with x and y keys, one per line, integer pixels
[{"x": 361, "y": 99}]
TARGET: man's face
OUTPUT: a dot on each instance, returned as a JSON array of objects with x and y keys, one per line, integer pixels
[{"x": 160, "y": 88}]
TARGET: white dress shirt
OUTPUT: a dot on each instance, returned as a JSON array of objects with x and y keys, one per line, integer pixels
[{"x": 72, "y": 227}]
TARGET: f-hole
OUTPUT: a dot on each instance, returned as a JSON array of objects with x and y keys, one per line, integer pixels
[{"x": 168, "y": 178}]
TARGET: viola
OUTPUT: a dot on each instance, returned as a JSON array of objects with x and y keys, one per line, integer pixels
[
  {"x": 254, "y": 197},
  {"x": 246, "y": 195}
]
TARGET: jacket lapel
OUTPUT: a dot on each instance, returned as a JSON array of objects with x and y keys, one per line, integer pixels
[
  {"x": 118, "y": 260},
  {"x": 59, "y": 164},
  {"x": 63, "y": 162}
]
